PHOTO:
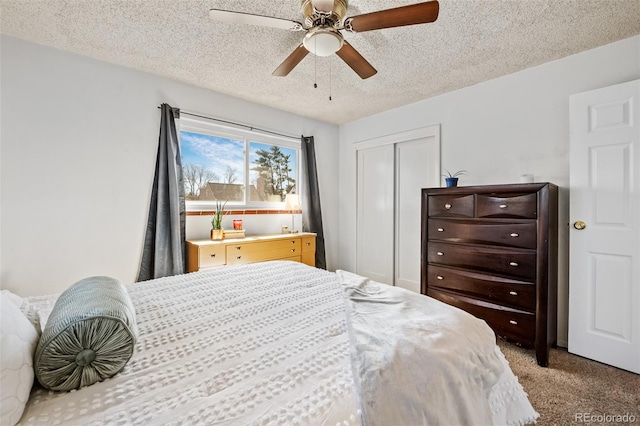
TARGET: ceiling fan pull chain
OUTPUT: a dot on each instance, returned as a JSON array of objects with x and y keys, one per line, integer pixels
[
  {"x": 330, "y": 62},
  {"x": 315, "y": 67}
]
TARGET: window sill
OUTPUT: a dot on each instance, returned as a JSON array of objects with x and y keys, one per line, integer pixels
[{"x": 242, "y": 212}]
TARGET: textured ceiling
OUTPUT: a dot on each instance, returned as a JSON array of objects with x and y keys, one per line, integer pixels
[{"x": 471, "y": 42}]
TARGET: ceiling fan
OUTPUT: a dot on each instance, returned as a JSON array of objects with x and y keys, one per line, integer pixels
[{"x": 323, "y": 22}]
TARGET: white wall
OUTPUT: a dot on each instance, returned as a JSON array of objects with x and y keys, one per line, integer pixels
[
  {"x": 78, "y": 148},
  {"x": 499, "y": 130}
]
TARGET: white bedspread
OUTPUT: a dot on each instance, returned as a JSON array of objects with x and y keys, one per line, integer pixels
[
  {"x": 268, "y": 344},
  {"x": 260, "y": 344},
  {"x": 418, "y": 361}
]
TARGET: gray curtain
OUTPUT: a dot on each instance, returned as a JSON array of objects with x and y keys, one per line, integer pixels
[
  {"x": 163, "y": 253},
  {"x": 310, "y": 199}
]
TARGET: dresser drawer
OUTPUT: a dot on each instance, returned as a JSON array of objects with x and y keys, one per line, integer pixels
[
  {"x": 288, "y": 243},
  {"x": 262, "y": 251},
  {"x": 525, "y": 206},
  {"x": 509, "y": 234},
  {"x": 503, "y": 291},
  {"x": 519, "y": 263},
  {"x": 308, "y": 244},
  {"x": 451, "y": 205},
  {"x": 212, "y": 255},
  {"x": 510, "y": 323}
]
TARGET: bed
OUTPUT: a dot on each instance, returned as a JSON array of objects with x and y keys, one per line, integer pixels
[{"x": 281, "y": 343}]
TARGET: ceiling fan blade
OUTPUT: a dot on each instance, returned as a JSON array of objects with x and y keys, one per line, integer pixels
[
  {"x": 292, "y": 60},
  {"x": 251, "y": 19},
  {"x": 323, "y": 5},
  {"x": 356, "y": 61},
  {"x": 420, "y": 13}
]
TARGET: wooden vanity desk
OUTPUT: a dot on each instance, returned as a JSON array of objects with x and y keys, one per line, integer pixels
[{"x": 203, "y": 254}]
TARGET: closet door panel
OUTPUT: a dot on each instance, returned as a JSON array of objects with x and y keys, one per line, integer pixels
[
  {"x": 412, "y": 174},
  {"x": 375, "y": 212}
]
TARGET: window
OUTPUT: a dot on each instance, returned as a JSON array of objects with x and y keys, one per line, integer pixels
[{"x": 220, "y": 163}]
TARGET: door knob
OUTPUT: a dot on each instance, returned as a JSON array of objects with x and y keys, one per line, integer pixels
[{"x": 579, "y": 225}]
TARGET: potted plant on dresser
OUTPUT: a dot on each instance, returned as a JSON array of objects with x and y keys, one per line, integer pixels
[
  {"x": 217, "y": 232},
  {"x": 451, "y": 179}
]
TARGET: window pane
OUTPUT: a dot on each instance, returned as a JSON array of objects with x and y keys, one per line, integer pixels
[
  {"x": 213, "y": 167},
  {"x": 272, "y": 171}
]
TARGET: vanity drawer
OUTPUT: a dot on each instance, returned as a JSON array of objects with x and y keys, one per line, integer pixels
[
  {"x": 213, "y": 255},
  {"x": 512, "y": 262},
  {"x": 451, "y": 205},
  {"x": 525, "y": 206},
  {"x": 262, "y": 251},
  {"x": 252, "y": 247},
  {"x": 503, "y": 291},
  {"x": 508, "y": 234},
  {"x": 510, "y": 323},
  {"x": 308, "y": 244}
]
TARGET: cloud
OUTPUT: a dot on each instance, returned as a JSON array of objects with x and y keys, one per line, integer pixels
[{"x": 215, "y": 153}]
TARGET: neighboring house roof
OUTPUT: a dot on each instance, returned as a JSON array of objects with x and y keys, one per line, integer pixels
[{"x": 214, "y": 191}]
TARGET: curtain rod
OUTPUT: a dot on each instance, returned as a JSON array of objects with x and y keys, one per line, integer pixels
[{"x": 251, "y": 128}]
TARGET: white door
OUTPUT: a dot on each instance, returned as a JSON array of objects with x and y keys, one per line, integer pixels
[
  {"x": 375, "y": 213},
  {"x": 414, "y": 171},
  {"x": 392, "y": 170},
  {"x": 604, "y": 287}
]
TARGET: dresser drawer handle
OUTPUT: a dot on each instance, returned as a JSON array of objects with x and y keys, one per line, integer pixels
[
  {"x": 447, "y": 206},
  {"x": 293, "y": 250},
  {"x": 440, "y": 230},
  {"x": 503, "y": 206},
  {"x": 515, "y": 234},
  {"x": 440, "y": 277},
  {"x": 238, "y": 247},
  {"x": 513, "y": 293},
  {"x": 239, "y": 257},
  {"x": 212, "y": 255},
  {"x": 513, "y": 263},
  {"x": 440, "y": 253},
  {"x": 293, "y": 241},
  {"x": 308, "y": 244},
  {"x": 513, "y": 322}
]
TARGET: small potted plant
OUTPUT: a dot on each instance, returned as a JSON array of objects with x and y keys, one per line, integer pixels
[
  {"x": 451, "y": 179},
  {"x": 216, "y": 221}
]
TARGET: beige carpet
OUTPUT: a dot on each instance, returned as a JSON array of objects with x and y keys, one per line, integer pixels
[{"x": 573, "y": 388}]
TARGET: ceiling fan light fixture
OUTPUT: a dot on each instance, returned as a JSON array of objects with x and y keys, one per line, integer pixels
[{"x": 323, "y": 41}]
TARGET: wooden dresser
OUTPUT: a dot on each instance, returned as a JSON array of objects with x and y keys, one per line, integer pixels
[
  {"x": 203, "y": 254},
  {"x": 492, "y": 251}
]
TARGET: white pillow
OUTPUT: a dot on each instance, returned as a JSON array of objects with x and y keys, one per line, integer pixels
[
  {"x": 29, "y": 310},
  {"x": 18, "y": 340}
]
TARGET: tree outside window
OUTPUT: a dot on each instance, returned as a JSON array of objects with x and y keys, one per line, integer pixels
[{"x": 274, "y": 179}]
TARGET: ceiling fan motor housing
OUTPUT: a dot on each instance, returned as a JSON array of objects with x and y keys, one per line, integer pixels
[{"x": 314, "y": 17}]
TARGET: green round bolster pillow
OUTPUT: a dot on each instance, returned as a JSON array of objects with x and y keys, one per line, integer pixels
[{"x": 89, "y": 337}]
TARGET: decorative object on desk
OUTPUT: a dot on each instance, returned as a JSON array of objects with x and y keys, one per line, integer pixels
[
  {"x": 285, "y": 229},
  {"x": 216, "y": 221},
  {"x": 237, "y": 224},
  {"x": 451, "y": 179},
  {"x": 234, "y": 233},
  {"x": 292, "y": 203}
]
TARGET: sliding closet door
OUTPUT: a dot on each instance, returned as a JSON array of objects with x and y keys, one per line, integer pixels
[
  {"x": 414, "y": 170},
  {"x": 392, "y": 170},
  {"x": 375, "y": 212}
]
